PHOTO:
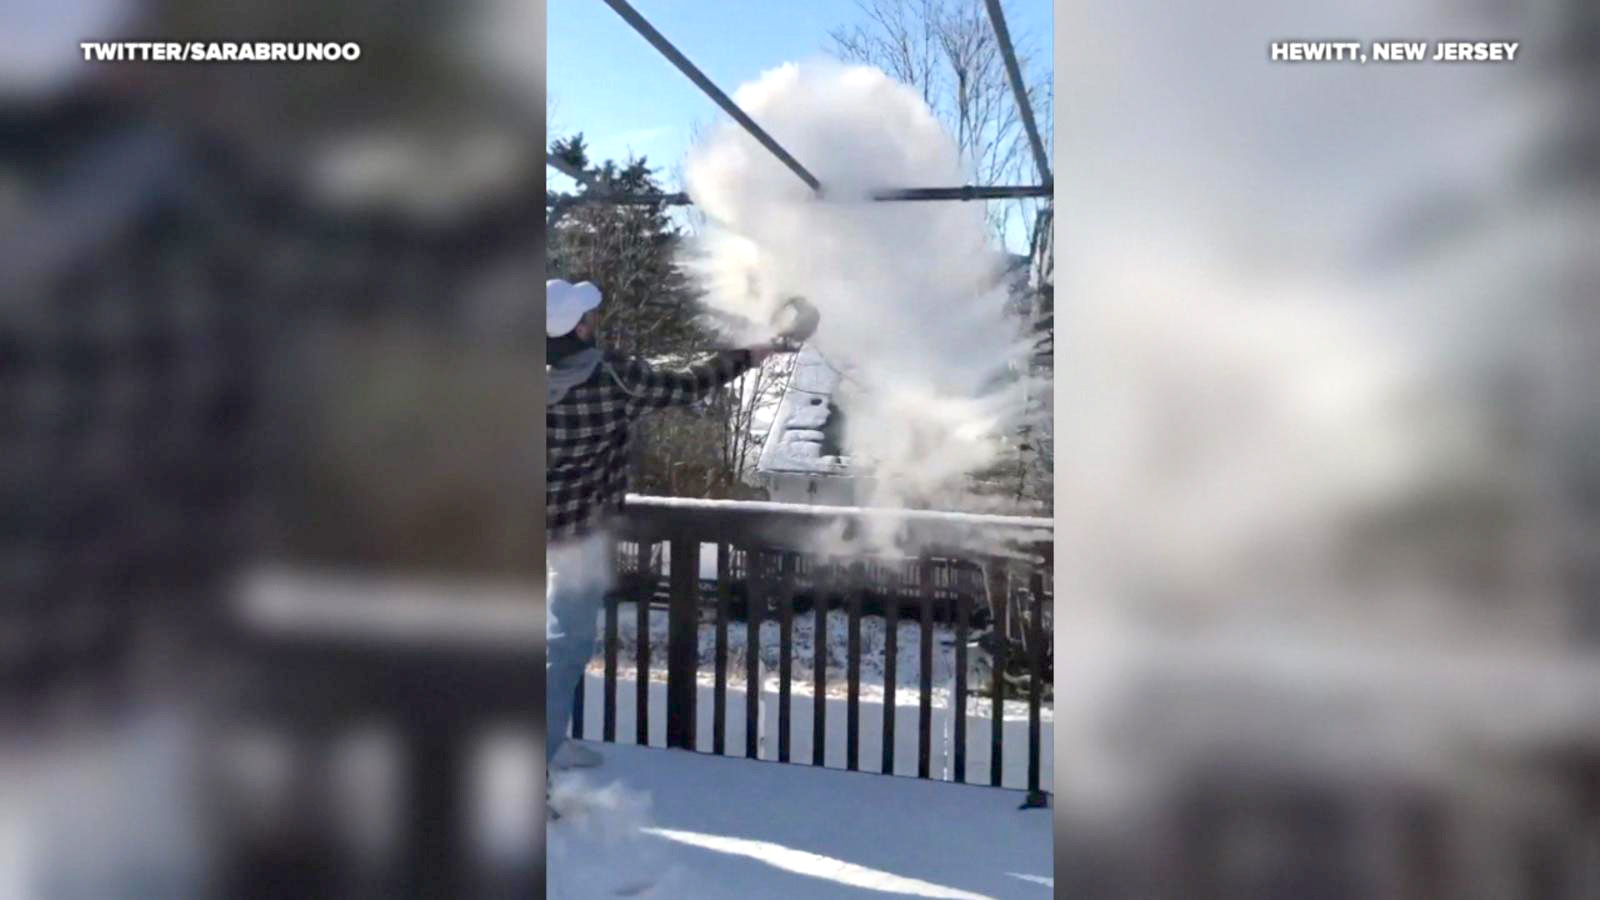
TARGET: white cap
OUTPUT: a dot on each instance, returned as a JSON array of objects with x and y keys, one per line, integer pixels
[{"x": 565, "y": 304}]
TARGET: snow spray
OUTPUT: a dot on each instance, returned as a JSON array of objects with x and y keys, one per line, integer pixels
[{"x": 910, "y": 294}]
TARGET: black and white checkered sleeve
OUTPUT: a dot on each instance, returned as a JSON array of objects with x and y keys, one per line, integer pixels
[{"x": 656, "y": 388}]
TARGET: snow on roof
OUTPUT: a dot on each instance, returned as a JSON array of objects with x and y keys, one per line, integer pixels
[
  {"x": 795, "y": 438},
  {"x": 794, "y": 441}
]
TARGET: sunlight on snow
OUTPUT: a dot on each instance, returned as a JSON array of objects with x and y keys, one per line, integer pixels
[{"x": 816, "y": 865}]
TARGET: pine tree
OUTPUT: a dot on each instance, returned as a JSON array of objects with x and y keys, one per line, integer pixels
[{"x": 629, "y": 251}]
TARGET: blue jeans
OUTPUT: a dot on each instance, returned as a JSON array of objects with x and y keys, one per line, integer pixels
[{"x": 578, "y": 574}]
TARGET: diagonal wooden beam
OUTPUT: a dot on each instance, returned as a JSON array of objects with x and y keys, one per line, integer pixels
[
  {"x": 648, "y": 31},
  {"x": 997, "y": 17}
]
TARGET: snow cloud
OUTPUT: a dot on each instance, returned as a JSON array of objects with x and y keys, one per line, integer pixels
[{"x": 912, "y": 310}]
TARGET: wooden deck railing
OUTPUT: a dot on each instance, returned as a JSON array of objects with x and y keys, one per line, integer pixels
[{"x": 988, "y": 571}]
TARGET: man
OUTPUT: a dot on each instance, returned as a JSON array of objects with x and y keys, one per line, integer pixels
[{"x": 594, "y": 398}]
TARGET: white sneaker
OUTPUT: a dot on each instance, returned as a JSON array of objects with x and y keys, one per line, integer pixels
[{"x": 573, "y": 755}]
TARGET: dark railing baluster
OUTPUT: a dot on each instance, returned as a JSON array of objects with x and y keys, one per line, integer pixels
[
  {"x": 852, "y": 716},
  {"x": 609, "y": 726},
  {"x": 891, "y": 659},
  {"x": 1036, "y": 640},
  {"x": 641, "y": 679},
  {"x": 683, "y": 643},
  {"x": 719, "y": 713},
  {"x": 958, "y": 703},
  {"x": 785, "y": 653},
  {"x": 925, "y": 674},
  {"x": 755, "y": 609},
  {"x": 999, "y": 596},
  {"x": 577, "y": 705},
  {"x": 821, "y": 585}
]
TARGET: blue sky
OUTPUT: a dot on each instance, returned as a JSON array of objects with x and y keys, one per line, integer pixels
[{"x": 609, "y": 83}]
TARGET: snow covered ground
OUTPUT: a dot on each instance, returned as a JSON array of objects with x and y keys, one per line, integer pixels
[
  {"x": 1014, "y": 773},
  {"x": 908, "y": 674},
  {"x": 668, "y": 823}
]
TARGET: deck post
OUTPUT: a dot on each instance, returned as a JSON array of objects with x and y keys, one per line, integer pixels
[{"x": 683, "y": 643}]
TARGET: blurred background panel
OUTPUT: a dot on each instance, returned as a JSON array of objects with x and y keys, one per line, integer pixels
[
  {"x": 269, "y": 518},
  {"x": 1327, "y": 507}
]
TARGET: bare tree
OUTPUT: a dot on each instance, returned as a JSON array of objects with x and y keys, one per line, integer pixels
[
  {"x": 760, "y": 390},
  {"x": 900, "y": 37},
  {"x": 691, "y": 217},
  {"x": 947, "y": 51},
  {"x": 553, "y": 122}
]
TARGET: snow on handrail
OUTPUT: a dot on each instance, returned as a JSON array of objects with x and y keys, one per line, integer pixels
[{"x": 644, "y": 501}]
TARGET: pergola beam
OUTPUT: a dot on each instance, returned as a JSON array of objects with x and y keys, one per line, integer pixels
[
  {"x": 595, "y": 193},
  {"x": 968, "y": 192},
  {"x": 607, "y": 199},
  {"x": 997, "y": 17},
  {"x": 893, "y": 195},
  {"x": 649, "y": 33}
]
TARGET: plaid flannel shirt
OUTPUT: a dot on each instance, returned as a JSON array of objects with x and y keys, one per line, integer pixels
[{"x": 589, "y": 433}]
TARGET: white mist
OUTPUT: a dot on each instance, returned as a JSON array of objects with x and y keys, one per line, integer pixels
[{"x": 911, "y": 301}]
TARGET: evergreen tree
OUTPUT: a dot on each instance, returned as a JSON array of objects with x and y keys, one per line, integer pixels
[{"x": 629, "y": 251}]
